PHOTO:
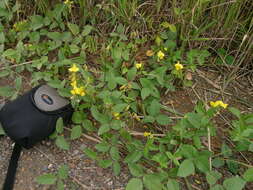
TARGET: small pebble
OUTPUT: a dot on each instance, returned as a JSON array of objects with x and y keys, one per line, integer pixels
[{"x": 50, "y": 166}]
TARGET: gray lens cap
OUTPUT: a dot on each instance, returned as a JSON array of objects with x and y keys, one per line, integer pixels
[{"x": 47, "y": 98}]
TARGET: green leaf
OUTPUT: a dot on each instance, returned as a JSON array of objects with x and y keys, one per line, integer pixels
[
  {"x": 73, "y": 28},
  {"x": 188, "y": 151},
  {"x": 248, "y": 175},
  {"x": 90, "y": 153},
  {"x": 232, "y": 166},
  {"x": 18, "y": 83},
  {"x": 217, "y": 187},
  {"x": 76, "y": 132},
  {"x": 148, "y": 119},
  {"x": 145, "y": 92},
  {"x": 116, "y": 54},
  {"x": 74, "y": 48},
  {"x": 87, "y": 30},
  {"x": 133, "y": 157},
  {"x": 173, "y": 28},
  {"x": 235, "y": 111},
  {"x": 131, "y": 73},
  {"x": 103, "y": 129},
  {"x": 217, "y": 162},
  {"x": 186, "y": 168},
  {"x": 36, "y": 22},
  {"x": 62, "y": 143},
  {"x": 234, "y": 183},
  {"x": 194, "y": 119},
  {"x": 103, "y": 146},
  {"x": 78, "y": 117},
  {"x": 121, "y": 80},
  {"x": 116, "y": 168},
  {"x": 114, "y": 152},
  {"x": 163, "y": 119},
  {"x": 98, "y": 116},
  {"x": 134, "y": 184},
  {"x": 154, "y": 108},
  {"x": 46, "y": 179},
  {"x": 63, "y": 172},
  {"x": 161, "y": 159},
  {"x": 6, "y": 91},
  {"x": 119, "y": 107},
  {"x": 136, "y": 170},
  {"x": 152, "y": 182},
  {"x": 12, "y": 54},
  {"x": 56, "y": 36},
  {"x": 226, "y": 151},
  {"x": 202, "y": 163},
  {"x": 59, "y": 125},
  {"x": 146, "y": 83},
  {"x": 87, "y": 124},
  {"x": 117, "y": 124},
  {"x": 212, "y": 177},
  {"x": 105, "y": 163},
  {"x": 2, "y": 37},
  {"x": 4, "y": 73},
  {"x": 172, "y": 184}
]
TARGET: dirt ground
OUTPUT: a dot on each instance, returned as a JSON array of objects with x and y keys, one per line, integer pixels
[{"x": 85, "y": 174}]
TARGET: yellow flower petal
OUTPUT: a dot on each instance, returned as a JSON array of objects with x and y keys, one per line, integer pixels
[
  {"x": 74, "y": 68},
  {"x": 160, "y": 55},
  {"x": 73, "y": 84},
  {"x": 178, "y": 66},
  {"x": 138, "y": 65},
  {"x": 146, "y": 134},
  {"x": 218, "y": 103},
  {"x": 73, "y": 92}
]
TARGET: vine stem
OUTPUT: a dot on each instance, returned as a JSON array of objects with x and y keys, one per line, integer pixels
[{"x": 209, "y": 147}]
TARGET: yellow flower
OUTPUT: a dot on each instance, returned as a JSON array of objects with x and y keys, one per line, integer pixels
[
  {"x": 146, "y": 134},
  {"x": 74, "y": 68},
  {"x": 73, "y": 92},
  {"x": 116, "y": 115},
  {"x": 138, "y": 65},
  {"x": 218, "y": 103},
  {"x": 149, "y": 53},
  {"x": 78, "y": 91},
  {"x": 178, "y": 66},
  {"x": 160, "y": 55},
  {"x": 73, "y": 84},
  {"x": 68, "y": 3}
]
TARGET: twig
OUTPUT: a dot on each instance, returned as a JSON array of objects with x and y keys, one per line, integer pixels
[
  {"x": 17, "y": 65},
  {"x": 238, "y": 162},
  {"x": 207, "y": 80},
  {"x": 141, "y": 134},
  {"x": 86, "y": 136}
]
